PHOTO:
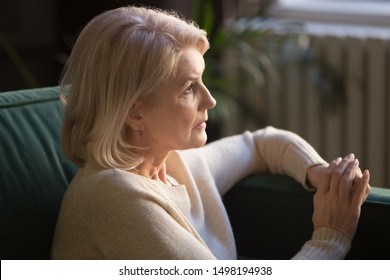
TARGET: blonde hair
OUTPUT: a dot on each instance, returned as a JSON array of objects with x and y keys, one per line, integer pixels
[{"x": 121, "y": 56}]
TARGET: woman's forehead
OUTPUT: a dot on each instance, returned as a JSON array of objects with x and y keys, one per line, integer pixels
[{"x": 191, "y": 64}]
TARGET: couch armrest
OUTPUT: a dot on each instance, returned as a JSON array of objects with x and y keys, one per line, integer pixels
[{"x": 271, "y": 219}]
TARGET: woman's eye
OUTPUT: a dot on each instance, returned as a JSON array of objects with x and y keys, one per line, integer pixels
[{"x": 190, "y": 88}]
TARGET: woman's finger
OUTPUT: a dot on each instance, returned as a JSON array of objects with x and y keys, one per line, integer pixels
[
  {"x": 338, "y": 172},
  {"x": 362, "y": 190},
  {"x": 346, "y": 181},
  {"x": 325, "y": 180},
  {"x": 335, "y": 162}
]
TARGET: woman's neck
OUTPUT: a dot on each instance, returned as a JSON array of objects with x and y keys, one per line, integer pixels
[{"x": 154, "y": 168}]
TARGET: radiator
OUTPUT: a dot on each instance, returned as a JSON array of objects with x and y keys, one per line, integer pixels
[{"x": 362, "y": 124}]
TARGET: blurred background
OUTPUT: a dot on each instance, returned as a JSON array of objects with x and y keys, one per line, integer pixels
[{"x": 320, "y": 68}]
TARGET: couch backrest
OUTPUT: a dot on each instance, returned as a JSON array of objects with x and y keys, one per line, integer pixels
[{"x": 34, "y": 173}]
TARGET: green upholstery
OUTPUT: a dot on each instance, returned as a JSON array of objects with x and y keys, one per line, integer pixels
[
  {"x": 33, "y": 172},
  {"x": 270, "y": 214}
]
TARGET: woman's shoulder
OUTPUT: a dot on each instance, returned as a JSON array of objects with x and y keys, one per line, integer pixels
[{"x": 93, "y": 182}]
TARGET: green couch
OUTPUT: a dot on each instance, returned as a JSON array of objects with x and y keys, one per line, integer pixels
[{"x": 270, "y": 214}]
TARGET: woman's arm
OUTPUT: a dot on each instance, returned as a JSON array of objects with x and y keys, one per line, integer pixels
[
  {"x": 278, "y": 151},
  {"x": 267, "y": 150}
]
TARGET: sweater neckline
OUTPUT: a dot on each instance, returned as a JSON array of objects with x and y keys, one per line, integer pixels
[
  {"x": 177, "y": 192},
  {"x": 173, "y": 183}
]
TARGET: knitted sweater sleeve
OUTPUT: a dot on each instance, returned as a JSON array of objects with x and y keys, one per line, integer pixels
[
  {"x": 275, "y": 151},
  {"x": 267, "y": 150}
]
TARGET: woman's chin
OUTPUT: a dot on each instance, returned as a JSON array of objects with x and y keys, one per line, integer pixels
[{"x": 200, "y": 140}]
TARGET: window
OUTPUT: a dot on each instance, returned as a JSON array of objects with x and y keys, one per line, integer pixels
[{"x": 361, "y": 12}]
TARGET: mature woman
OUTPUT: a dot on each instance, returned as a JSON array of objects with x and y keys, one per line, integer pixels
[{"x": 135, "y": 118}]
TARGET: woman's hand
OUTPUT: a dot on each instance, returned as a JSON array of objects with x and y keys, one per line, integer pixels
[
  {"x": 317, "y": 173},
  {"x": 341, "y": 190}
]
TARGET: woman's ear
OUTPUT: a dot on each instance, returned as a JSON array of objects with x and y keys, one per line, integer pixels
[{"x": 134, "y": 118}]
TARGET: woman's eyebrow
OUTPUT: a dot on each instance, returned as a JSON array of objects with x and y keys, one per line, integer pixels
[
  {"x": 192, "y": 76},
  {"x": 188, "y": 79}
]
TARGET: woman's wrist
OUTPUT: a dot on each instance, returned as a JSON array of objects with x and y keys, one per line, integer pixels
[{"x": 314, "y": 174}]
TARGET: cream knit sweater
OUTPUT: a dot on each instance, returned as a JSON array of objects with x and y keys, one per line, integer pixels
[{"x": 113, "y": 214}]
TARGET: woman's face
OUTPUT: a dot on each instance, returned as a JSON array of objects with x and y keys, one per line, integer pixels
[{"x": 176, "y": 118}]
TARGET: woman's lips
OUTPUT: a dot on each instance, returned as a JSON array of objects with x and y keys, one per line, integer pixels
[{"x": 201, "y": 125}]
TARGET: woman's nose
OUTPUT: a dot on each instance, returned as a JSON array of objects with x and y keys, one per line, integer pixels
[{"x": 209, "y": 101}]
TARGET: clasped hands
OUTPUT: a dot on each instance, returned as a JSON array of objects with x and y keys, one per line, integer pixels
[{"x": 342, "y": 188}]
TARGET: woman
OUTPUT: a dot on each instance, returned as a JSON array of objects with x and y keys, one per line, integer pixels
[{"x": 135, "y": 123}]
